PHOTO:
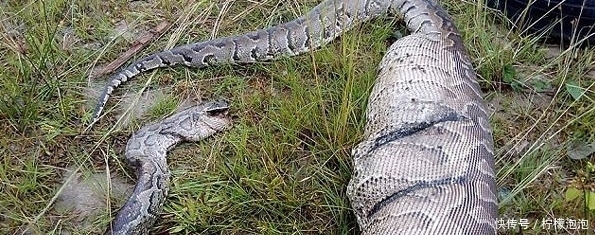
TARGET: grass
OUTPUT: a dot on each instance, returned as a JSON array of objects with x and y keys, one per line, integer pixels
[{"x": 284, "y": 167}]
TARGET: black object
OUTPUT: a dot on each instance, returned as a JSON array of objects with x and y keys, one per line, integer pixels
[{"x": 577, "y": 17}]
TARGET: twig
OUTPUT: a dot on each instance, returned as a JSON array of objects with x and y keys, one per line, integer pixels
[{"x": 139, "y": 44}]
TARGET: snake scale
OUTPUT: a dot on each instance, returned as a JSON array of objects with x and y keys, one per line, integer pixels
[{"x": 425, "y": 164}]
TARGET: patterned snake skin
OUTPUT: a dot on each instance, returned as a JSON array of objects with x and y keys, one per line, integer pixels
[
  {"x": 146, "y": 152},
  {"x": 426, "y": 163}
]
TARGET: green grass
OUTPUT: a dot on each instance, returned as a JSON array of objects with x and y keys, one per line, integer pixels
[{"x": 284, "y": 166}]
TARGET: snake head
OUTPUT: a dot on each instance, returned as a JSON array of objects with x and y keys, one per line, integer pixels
[
  {"x": 198, "y": 122},
  {"x": 215, "y": 108}
]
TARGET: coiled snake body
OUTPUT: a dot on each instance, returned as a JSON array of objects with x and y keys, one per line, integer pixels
[{"x": 425, "y": 165}]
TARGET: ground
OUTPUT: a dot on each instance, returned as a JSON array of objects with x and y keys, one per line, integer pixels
[{"x": 284, "y": 166}]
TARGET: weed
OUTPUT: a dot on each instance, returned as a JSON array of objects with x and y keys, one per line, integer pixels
[{"x": 284, "y": 166}]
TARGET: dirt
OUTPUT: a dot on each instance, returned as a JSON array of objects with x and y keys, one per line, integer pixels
[{"x": 84, "y": 196}]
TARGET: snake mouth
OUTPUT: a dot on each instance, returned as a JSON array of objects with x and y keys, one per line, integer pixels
[{"x": 223, "y": 111}]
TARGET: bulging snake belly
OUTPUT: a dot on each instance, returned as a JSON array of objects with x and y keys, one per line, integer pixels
[{"x": 425, "y": 165}]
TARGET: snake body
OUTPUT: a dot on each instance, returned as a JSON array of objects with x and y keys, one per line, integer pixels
[
  {"x": 319, "y": 26},
  {"x": 146, "y": 152},
  {"x": 425, "y": 165}
]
